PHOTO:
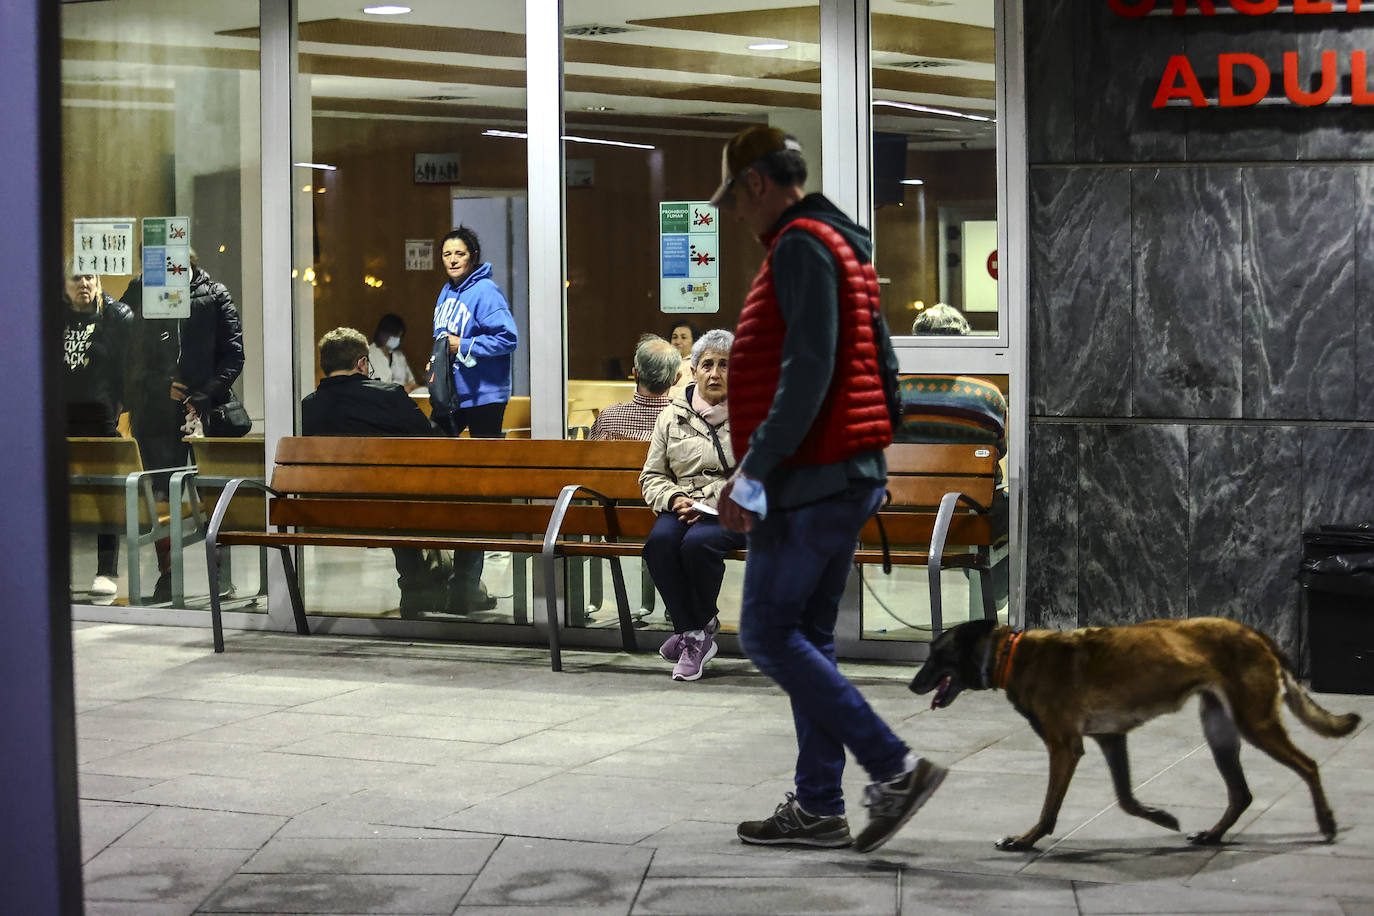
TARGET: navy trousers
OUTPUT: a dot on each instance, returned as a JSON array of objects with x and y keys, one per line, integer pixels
[
  {"x": 794, "y": 578},
  {"x": 688, "y": 564}
]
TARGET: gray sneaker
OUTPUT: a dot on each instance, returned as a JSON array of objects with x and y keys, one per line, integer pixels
[
  {"x": 892, "y": 803},
  {"x": 671, "y": 650},
  {"x": 791, "y": 826}
]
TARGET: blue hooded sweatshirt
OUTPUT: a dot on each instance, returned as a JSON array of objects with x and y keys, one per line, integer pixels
[{"x": 477, "y": 314}]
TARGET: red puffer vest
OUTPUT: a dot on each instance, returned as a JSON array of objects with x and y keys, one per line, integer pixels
[{"x": 853, "y": 418}]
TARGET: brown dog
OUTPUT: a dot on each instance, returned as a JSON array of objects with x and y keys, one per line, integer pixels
[{"x": 1104, "y": 681}]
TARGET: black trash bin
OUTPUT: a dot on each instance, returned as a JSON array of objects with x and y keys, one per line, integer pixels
[{"x": 1338, "y": 584}]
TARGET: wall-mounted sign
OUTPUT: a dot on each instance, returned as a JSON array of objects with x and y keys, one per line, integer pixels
[
  {"x": 436, "y": 168},
  {"x": 1243, "y": 79},
  {"x": 166, "y": 267},
  {"x": 689, "y": 252},
  {"x": 979, "y": 264},
  {"x": 419, "y": 254},
  {"x": 103, "y": 246},
  {"x": 580, "y": 173}
]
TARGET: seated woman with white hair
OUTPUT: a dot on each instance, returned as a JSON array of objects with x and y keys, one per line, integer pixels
[{"x": 689, "y": 461}]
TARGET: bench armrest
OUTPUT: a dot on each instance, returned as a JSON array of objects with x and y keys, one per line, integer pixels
[
  {"x": 222, "y": 506},
  {"x": 560, "y": 509}
]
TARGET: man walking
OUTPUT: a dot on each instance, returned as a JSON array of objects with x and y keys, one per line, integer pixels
[{"x": 809, "y": 415}]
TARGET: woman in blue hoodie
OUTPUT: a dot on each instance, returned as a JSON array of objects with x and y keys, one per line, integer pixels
[{"x": 474, "y": 314}]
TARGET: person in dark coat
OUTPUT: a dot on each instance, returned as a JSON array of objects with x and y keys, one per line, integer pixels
[
  {"x": 95, "y": 341},
  {"x": 349, "y": 403},
  {"x": 180, "y": 367}
]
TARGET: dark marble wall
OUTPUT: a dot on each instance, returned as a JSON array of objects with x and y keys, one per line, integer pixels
[{"x": 1201, "y": 320}]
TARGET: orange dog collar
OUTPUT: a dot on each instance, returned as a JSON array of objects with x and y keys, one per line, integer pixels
[{"x": 1004, "y": 668}]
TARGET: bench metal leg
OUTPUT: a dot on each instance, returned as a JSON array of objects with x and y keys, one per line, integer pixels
[
  {"x": 936, "y": 611},
  {"x": 937, "y": 550},
  {"x": 519, "y": 606},
  {"x": 551, "y": 607},
  {"x": 985, "y": 583},
  {"x": 577, "y": 596},
  {"x": 212, "y": 568},
  {"x": 131, "y": 540},
  {"x": 647, "y": 595},
  {"x": 622, "y": 603},
  {"x": 262, "y": 571},
  {"x": 177, "y": 534},
  {"x": 596, "y": 592},
  {"x": 293, "y": 588}
]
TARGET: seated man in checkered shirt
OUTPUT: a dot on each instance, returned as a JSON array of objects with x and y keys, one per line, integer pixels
[{"x": 657, "y": 364}]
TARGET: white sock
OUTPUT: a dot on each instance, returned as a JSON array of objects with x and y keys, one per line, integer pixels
[{"x": 697, "y": 635}]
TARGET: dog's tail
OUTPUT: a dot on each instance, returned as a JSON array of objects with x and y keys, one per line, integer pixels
[{"x": 1324, "y": 723}]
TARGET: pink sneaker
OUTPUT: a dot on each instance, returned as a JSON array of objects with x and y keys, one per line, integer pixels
[
  {"x": 696, "y": 652},
  {"x": 671, "y": 650}
]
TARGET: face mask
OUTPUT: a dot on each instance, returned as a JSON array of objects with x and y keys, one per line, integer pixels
[{"x": 393, "y": 342}]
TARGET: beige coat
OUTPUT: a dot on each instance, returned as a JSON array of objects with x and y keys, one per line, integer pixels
[{"x": 683, "y": 459}]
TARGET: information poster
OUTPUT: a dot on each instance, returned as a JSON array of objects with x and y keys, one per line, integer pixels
[
  {"x": 689, "y": 251},
  {"x": 166, "y": 267},
  {"x": 419, "y": 254},
  {"x": 980, "y": 265},
  {"x": 103, "y": 246}
]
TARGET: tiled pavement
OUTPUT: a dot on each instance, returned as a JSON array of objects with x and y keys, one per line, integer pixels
[{"x": 344, "y": 775}]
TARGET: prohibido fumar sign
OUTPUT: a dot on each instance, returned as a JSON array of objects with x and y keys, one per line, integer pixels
[{"x": 1245, "y": 79}]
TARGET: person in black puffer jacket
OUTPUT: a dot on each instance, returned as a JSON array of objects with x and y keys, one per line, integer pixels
[{"x": 179, "y": 363}]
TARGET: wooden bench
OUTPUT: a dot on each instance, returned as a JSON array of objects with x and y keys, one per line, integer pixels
[
  {"x": 460, "y": 494},
  {"x": 465, "y": 494},
  {"x": 940, "y": 516}
]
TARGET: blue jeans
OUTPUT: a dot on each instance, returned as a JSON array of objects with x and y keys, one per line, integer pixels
[{"x": 794, "y": 577}]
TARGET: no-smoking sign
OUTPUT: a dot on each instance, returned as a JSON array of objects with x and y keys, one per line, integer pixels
[{"x": 992, "y": 264}]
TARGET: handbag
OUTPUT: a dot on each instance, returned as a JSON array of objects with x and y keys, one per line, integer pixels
[
  {"x": 227, "y": 421},
  {"x": 443, "y": 393}
]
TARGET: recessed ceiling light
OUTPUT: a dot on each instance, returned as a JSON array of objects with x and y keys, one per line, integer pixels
[
  {"x": 931, "y": 109},
  {"x": 912, "y": 181},
  {"x": 768, "y": 46},
  {"x": 386, "y": 10}
]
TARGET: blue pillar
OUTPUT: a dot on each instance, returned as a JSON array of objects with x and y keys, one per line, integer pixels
[{"x": 40, "y": 850}]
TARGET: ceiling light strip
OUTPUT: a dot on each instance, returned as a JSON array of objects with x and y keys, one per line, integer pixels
[
  {"x": 931, "y": 109},
  {"x": 516, "y": 135}
]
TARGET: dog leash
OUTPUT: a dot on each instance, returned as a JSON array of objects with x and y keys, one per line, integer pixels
[{"x": 1004, "y": 667}]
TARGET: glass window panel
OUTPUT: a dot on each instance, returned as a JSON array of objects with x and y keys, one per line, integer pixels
[
  {"x": 935, "y": 164},
  {"x": 160, "y": 118},
  {"x": 652, "y": 92},
  {"x": 416, "y": 126},
  {"x": 935, "y": 198}
]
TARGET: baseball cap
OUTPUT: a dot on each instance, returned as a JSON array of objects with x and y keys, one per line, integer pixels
[{"x": 744, "y": 149}]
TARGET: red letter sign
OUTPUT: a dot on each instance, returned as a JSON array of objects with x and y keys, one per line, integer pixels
[
  {"x": 1359, "y": 80},
  {"x": 1254, "y": 7},
  {"x": 1227, "y": 63},
  {"x": 1296, "y": 92},
  {"x": 1179, "y": 69}
]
